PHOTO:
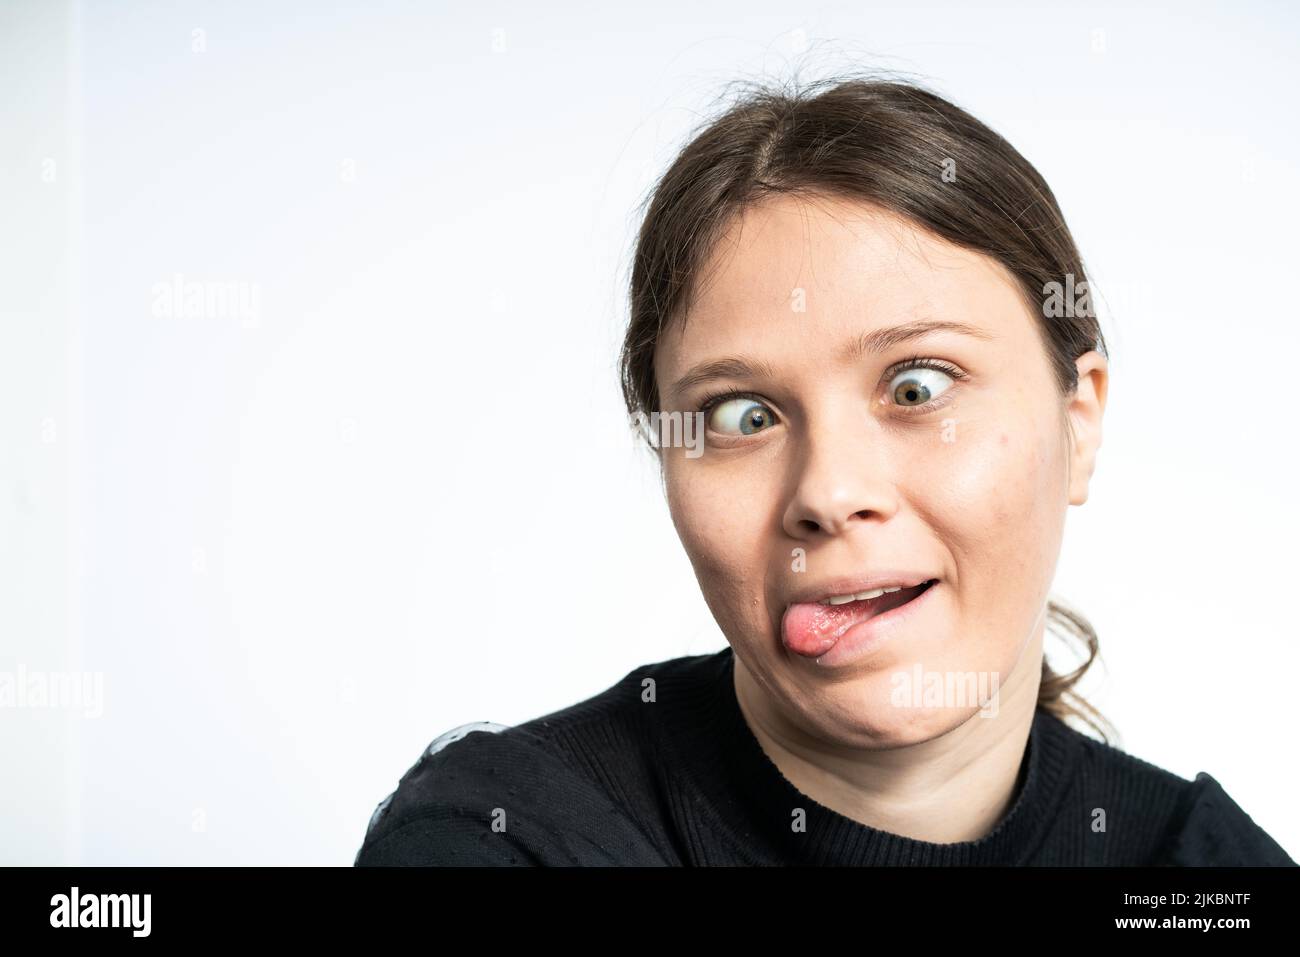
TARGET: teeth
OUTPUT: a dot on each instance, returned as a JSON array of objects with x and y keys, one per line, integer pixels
[{"x": 860, "y": 596}]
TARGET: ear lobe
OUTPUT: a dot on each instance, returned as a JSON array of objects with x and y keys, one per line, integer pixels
[{"x": 1084, "y": 415}]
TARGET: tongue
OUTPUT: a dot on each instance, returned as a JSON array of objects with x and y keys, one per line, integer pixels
[{"x": 811, "y": 628}]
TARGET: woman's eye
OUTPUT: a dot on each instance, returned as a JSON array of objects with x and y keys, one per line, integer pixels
[
  {"x": 918, "y": 386},
  {"x": 740, "y": 417}
]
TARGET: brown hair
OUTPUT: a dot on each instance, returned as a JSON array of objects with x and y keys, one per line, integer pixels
[{"x": 887, "y": 143}]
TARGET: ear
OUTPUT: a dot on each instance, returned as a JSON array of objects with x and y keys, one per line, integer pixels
[{"x": 1083, "y": 415}]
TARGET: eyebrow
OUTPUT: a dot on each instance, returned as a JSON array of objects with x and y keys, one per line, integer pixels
[{"x": 877, "y": 341}]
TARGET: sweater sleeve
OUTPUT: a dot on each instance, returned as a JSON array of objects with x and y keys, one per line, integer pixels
[
  {"x": 1214, "y": 831},
  {"x": 501, "y": 799}
]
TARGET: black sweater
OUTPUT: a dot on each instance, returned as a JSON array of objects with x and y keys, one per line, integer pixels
[{"x": 619, "y": 779}]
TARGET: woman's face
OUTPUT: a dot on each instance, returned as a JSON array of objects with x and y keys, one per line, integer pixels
[{"x": 849, "y": 459}]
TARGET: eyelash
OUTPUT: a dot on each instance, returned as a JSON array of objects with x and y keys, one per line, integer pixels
[{"x": 713, "y": 399}]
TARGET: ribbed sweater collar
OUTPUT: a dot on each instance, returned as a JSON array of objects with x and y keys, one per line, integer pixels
[{"x": 752, "y": 800}]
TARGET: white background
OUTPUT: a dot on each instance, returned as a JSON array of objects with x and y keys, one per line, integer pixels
[{"x": 402, "y": 499}]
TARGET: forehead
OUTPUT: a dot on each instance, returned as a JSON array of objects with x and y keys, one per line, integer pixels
[{"x": 801, "y": 275}]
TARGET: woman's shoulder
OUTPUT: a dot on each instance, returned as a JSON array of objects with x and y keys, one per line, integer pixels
[
  {"x": 478, "y": 794},
  {"x": 557, "y": 789},
  {"x": 1213, "y": 830},
  {"x": 433, "y": 788},
  {"x": 1165, "y": 818}
]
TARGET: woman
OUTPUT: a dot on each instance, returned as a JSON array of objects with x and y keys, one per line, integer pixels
[{"x": 866, "y": 309}]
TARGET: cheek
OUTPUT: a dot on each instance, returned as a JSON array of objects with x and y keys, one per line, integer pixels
[
  {"x": 997, "y": 478},
  {"x": 721, "y": 527},
  {"x": 1000, "y": 506}
]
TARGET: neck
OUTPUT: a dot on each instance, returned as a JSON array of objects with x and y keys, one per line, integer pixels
[{"x": 953, "y": 787}]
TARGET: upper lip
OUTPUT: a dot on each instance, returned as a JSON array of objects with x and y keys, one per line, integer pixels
[{"x": 852, "y": 585}]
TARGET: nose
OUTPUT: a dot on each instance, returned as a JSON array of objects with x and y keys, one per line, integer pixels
[{"x": 841, "y": 479}]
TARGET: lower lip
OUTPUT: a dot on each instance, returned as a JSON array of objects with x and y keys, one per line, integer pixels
[{"x": 866, "y": 636}]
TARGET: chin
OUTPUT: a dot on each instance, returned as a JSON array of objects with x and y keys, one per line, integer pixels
[{"x": 871, "y": 711}]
